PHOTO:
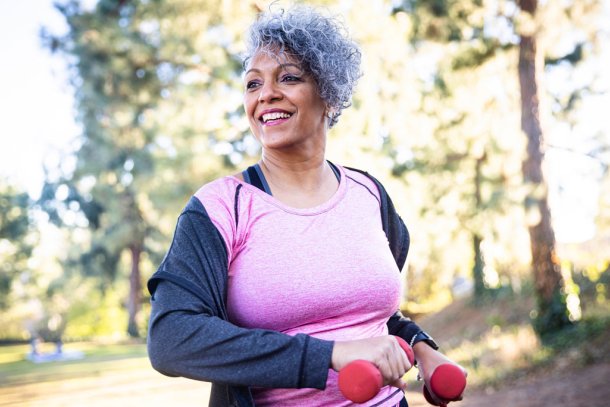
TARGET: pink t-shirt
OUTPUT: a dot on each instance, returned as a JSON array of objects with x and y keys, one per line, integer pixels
[{"x": 325, "y": 271}]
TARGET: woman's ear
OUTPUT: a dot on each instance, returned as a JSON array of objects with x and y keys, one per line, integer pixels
[{"x": 331, "y": 115}]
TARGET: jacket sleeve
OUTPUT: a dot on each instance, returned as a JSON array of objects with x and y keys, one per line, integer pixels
[
  {"x": 189, "y": 334},
  {"x": 402, "y": 326}
]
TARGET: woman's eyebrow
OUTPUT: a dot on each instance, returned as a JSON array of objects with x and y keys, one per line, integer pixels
[
  {"x": 280, "y": 67},
  {"x": 251, "y": 70}
]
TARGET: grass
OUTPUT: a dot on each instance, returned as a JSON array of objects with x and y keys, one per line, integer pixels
[
  {"x": 16, "y": 369},
  {"x": 107, "y": 375}
]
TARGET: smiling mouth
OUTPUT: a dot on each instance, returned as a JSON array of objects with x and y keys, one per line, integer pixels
[{"x": 274, "y": 117}]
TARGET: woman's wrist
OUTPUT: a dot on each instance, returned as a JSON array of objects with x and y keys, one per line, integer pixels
[
  {"x": 422, "y": 350},
  {"x": 335, "y": 357}
]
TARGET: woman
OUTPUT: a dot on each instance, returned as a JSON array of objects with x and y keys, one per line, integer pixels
[{"x": 279, "y": 276}]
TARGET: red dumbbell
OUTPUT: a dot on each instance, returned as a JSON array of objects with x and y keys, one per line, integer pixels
[
  {"x": 360, "y": 380},
  {"x": 447, "y": 383}
]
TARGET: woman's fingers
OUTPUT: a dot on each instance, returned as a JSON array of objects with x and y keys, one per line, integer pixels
[
  {"x": 391, "y": 362},
  {"x": 401, "y": 384},
  {"x": 384, "y": 352}
]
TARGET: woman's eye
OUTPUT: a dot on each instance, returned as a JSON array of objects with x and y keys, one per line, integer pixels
[
  {"x": 290, "y": 78},
  {"x": 251, "y": 85}
]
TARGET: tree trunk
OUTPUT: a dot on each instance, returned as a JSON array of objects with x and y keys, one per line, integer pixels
[
  {"x": 477, "y": 269},
  {"x": 135, "y": 287},
  {"x": 552, "y": 313}
]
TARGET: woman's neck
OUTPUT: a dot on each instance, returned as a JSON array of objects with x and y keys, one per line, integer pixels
[{"x": 299, "y": 182}]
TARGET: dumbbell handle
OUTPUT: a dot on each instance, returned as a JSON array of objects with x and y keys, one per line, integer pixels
[
  {"x": 360, "y": 380},
  {"x": 447, "y": 382}
]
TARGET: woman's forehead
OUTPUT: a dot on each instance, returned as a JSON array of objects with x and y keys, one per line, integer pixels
[{"x": 273, "y": 55}]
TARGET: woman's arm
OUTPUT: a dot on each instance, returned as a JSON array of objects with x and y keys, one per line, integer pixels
[
  {"x": 189, "y": 334},
  {"x": 428, "y": 359},
  {"x": 185, "y": 339}
]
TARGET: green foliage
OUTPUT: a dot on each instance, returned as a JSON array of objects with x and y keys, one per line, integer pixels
[
  {"x": 578, "y": 333},
  {"x": 594, "y": 282},
  {"x": 477, "y": 52},
  {"x": 461, "y": 161},
  {"x": 16, "y": 237},
  {"x": 14, "y": 220},
  {"x": 96, "y": 316},
  {"x": 551, "y": 316},
  {"x": 112, "y": 62},
  {"x": 155, "y": 85},
  {"x": 440, "y": 20},
  {"x": 114, "y": 66}
]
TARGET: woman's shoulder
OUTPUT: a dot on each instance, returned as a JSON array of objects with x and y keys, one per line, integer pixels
[
  {"x": 357, "y": 172},
  {"x": 364, "y": 179},
  {"x": 220, "y": 189}
]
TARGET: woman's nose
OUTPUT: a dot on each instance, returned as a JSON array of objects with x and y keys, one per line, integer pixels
[{"x": 269, "y": 92}]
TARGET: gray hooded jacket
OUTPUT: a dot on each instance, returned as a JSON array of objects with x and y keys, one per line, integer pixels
[{"x": 190, "y": 335}]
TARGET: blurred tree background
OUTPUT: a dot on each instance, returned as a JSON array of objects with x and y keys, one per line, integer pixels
[{"x": 458, "y": 113}]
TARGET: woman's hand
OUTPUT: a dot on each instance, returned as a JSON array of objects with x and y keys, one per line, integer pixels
[
  {"x": 384, "y": 352},
  {"x": 428, "y": 360}
]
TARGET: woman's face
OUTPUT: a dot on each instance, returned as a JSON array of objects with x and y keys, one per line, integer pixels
[{"x": 282, "y": 103}]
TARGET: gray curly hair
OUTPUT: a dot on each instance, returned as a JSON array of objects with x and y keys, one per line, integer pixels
[{"x": 321, "y": 46}]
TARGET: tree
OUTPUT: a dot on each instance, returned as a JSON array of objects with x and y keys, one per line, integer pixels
[
  {"x": 114, "y": 64},
  {"x": 155, "y": 89},
  {"x": 483, "y": 31},
  {"x": 552, "y": 310},
  {"x": 467, "y": 161}
]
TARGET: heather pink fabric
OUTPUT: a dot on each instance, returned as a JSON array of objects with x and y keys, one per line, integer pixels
[{"x": 325, "y": 271}]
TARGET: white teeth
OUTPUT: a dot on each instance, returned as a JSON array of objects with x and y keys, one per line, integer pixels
[{"x": 274, "y": 116}]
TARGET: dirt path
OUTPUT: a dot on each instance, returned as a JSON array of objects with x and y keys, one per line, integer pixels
[{"x": 586, "y": 387}]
